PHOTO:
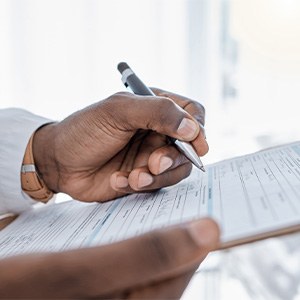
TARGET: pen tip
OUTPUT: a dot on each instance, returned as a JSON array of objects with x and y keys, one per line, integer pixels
[{"x": 202, "y": 169}]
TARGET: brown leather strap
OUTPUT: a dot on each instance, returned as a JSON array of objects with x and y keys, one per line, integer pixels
[
  {"x": 32, "y": 184},
  {"x": 6, "y": 221}
]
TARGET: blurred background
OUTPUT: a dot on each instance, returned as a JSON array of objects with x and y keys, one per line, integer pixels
[{"x": 240, "y": 58}]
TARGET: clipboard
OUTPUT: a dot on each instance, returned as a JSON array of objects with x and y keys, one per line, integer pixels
[
  {"x": 261, "y": 236},
  {"x": 252, "y": 197}
]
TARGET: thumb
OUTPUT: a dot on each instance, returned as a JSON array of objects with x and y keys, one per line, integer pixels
[
  {"x": 153, "y": 257},
  {"x": 160, "y": 114}
]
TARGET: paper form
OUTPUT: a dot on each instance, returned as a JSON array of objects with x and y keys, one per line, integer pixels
[{"x": 247, "y": 195}]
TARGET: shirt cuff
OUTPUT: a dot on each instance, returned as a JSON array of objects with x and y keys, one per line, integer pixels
[{"x": 16, "y": 128}]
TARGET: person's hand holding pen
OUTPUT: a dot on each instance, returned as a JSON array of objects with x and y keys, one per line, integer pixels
[{"x": 119, "y": 146}]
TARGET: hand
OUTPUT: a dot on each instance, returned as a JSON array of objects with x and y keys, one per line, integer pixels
[
  {"x": 119, "y": 146},
  {"x": 157, "y": 265}
]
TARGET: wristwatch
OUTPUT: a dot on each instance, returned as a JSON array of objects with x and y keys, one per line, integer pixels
[{"x": 32, "y": 184}]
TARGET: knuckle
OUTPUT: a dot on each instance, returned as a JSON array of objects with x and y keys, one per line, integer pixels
[
  {"x": 115, "y": 99},
  {"x": 122, "y": 94},
  {"x": 118, "y": 99},
  {"x": 166, "y": 104}
]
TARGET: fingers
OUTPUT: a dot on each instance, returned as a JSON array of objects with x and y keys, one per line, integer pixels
[
  {"x": 159, "y": 114},
  {"x": 165, "y": 158},
  {"x": 195, "y": 109},
  {"x": 141, "y": 179},
  {"x": 163, "y": 167},
  {"x": 148, "y": 259}
]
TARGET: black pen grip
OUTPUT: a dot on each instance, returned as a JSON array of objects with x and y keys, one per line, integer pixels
[{"x": 138, "y": 87}]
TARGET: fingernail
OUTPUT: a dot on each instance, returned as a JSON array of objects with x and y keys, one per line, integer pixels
[
  {"x": 144, "y": 179},
  {"x": 205, "y": 233},
  {"x": 121, "y": 182},
  {"x": 188, "y": 129},
  {"x": 165, "y": 163}
]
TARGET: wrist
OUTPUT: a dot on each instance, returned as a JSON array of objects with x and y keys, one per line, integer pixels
[{"x": 44, "y": 155}]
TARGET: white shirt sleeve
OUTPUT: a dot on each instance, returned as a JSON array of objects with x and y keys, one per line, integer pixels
[{"x": 16, "y": 128}]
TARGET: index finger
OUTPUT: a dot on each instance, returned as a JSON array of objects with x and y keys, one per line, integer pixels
[{"x": 195, "y": 108}]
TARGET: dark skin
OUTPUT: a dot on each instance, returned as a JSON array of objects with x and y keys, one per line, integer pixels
[
  {"x": 157, "y": 265},
  {"x": 101, "y": 153},
  {"x": 112, "y": 148}
]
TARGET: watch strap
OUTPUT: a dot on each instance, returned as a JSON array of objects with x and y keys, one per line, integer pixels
[{"x": 32, "y": 183}]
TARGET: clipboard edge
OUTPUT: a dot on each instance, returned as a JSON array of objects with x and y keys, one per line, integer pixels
[{"x": 259, "y": 237}]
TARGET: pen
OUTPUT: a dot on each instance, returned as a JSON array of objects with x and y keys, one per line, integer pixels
[{"x": 130, "y": 80}]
